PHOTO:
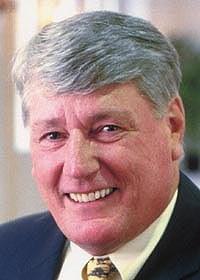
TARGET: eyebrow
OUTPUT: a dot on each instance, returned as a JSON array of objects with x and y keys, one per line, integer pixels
[
  {"x": 117, "y": 114},
  {"x": 47, "y": 122},
  {"x": 93, "y": 117}
]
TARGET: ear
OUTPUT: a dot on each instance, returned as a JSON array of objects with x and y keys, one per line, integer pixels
[{"x": 176, "y": 122}]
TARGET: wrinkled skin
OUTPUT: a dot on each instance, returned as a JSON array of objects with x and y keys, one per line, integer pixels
[{"x": 110, "y": 138}]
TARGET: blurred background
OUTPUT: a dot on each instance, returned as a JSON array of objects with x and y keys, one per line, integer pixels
[{"x": 20, "y": 19}]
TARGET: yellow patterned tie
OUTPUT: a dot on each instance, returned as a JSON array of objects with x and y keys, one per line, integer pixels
[{"x": 100, "y": 268}]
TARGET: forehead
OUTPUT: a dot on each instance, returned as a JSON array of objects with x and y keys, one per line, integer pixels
[{"x": 119, "y": 100}]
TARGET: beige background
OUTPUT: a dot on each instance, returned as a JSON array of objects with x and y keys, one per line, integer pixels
[{"x": 18, "y": 195}]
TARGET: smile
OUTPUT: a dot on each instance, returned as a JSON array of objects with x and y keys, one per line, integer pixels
[{"x": 92, "y": 196}]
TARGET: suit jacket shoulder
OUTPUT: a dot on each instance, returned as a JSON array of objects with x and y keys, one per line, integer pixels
[{"x": 31, "y": 248}]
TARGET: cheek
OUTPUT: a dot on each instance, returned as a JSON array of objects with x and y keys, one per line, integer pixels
[
  {"x": 126, "y": 167},
  {"x": 47, "y": 177},
  {"x": 46, "y": 171},
  {"x": 133, "y": 157},
  {"x": 140, "y": 163}
]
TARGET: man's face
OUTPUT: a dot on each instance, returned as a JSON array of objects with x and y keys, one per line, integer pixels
[{"x": 104, "y": 164}]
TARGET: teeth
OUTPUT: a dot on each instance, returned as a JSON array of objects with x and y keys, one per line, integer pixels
[
  {"x": 90, "y": 196},
  {"x": 85, "y": 197},
  {"x": 103, "y": 193},
  {"x": 107, "y": 191},
  {"x": 97, "y": 194},
  {"x": 78, "y": 197},
  {"x": 74, "y": 197}
]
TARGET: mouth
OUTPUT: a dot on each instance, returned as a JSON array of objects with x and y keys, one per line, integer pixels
[{"x": 92, "y": 196}]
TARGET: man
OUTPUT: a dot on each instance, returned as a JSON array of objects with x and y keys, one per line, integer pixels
[{"x": 100, "y": 95}]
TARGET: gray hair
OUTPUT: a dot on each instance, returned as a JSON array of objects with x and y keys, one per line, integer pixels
[{"x": 91, "y": 50}]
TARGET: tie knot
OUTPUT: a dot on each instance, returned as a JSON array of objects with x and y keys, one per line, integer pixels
[{"x": 100, "y": 268}]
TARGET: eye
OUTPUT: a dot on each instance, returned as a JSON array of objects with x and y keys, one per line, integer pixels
[
  {"x": 109, "y": 128},
  {"x": 53, "y": 136},
  {"x": 108, "y": 133}
]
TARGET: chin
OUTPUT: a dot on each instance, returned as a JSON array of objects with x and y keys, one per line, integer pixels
[{"x": 94, "y": 237}]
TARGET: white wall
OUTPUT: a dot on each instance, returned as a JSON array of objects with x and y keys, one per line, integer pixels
[{"x": 18, "y": 194}]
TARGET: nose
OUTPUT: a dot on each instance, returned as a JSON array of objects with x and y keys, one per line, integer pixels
[{"x": 81, "y": 158}]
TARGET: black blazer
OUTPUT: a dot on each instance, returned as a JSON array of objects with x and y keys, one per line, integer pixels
[{"x": 31, "y": 247}]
